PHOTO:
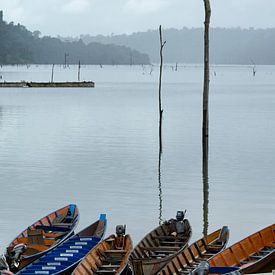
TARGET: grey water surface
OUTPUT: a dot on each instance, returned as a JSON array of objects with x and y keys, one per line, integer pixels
[{"x": 98, "y": 148}]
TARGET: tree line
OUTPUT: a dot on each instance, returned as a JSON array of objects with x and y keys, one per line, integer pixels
[{"x": 21, "y": 46}]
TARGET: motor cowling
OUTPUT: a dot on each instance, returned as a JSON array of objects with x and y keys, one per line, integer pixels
[
  {"x": 15, "y": 255},
  {"x": 120, "y": 230}
]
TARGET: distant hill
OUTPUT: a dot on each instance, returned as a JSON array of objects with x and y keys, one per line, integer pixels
[
  {"x": 227, "y": 46},
  {"x": 20, "y": 46}
]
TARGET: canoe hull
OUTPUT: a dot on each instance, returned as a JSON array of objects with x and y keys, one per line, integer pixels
[
  {"x": 188, "y": 260},
  {"x": 251, "y": 255},
  {"x": 46, "y": 222},
  {"x": 65, "y": 257},
  {"x": 160, "y": 246},
  {"x": 111, "y": 255}
]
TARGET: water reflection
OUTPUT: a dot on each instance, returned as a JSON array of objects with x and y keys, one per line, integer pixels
[
  {"x": 205, "y": 181},
  {"x": 160, "y": 188}
]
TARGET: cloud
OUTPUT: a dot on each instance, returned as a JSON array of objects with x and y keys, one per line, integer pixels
[
  {"x": 77, "y": 6},
  {"x": 146, "y": 6}
]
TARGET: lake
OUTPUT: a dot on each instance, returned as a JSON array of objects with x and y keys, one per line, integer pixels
[{"x": 98, "y": 148}]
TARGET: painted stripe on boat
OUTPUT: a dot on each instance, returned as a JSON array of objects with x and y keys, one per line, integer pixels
[
  {"x": 76, "y": 246},
  {"x": 61, "y": 259},
  {"x": 66, "y": 255},
  {"x": 56, "y": 263},
  {"x": 48, "y": 267},
  {"x": 72, "y": 251}
]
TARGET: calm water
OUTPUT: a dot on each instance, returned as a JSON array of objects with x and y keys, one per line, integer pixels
[{"x": 99, "y": 148}]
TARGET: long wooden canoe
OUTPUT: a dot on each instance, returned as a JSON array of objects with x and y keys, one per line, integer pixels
[
  {"x": 251, "y": 254},
  {"x": 44, "y": 235},
  {"x": 109, "y": 257},
  {"x": 189, "y": 259},
  {"x": 65, "y": 257},
  {"x": 161, "y": 245}
]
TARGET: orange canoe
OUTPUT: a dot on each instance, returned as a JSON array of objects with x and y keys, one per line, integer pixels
[{"x": 251, "y": 255}]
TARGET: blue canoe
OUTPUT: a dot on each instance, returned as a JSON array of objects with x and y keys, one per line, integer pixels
[{"x": 65, "y": 257}]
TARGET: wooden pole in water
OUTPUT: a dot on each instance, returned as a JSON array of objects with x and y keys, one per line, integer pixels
[
  {"x": 160, "y": 82},
  {"x": 52, "y": 73},
  {"x": 205, "y": 122},
  {"x": 78, "y": 70}
]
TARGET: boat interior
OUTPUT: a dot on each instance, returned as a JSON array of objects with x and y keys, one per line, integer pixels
[{"x": 190, "y": 258}]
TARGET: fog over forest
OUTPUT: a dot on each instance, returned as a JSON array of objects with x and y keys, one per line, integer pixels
[{"x": 227, "y": 46}]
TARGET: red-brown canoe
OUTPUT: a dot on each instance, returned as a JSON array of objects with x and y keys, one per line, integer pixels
[
  {"x": 251, "y": 254},
  {"x": 44, "y": 235}
]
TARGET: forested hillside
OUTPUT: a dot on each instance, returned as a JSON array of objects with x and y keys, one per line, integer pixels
[{"x": 19, "y": 46}]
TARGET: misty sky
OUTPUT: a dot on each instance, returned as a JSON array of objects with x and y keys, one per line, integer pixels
[{"x": 75, "y": 17}]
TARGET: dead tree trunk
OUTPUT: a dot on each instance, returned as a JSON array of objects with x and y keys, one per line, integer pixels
[
  {"x": 78, "y": 75},
  {"x": 160, "y": 81},
  {"x": 205, "y": 121},
  {"x": 160, "y": 189},
  {"x": 52, "y": 73}
]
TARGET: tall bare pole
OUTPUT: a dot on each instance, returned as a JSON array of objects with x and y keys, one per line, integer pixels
[
  {"x": 160, "y": 82},
  {"x": 205, "y": 122}
]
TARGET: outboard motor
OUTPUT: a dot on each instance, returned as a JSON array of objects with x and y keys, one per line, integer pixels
[
  {"x": 15, "y": 255},
  {"x": 180, "y": 224},
  {"x": 180, "y": 215},
  {"x": 202, "y": 269},
  {"x": 120, "y": 230}
]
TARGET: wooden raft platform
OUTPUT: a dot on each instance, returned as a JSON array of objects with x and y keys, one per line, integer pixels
[{"x": 24, "y": 84}]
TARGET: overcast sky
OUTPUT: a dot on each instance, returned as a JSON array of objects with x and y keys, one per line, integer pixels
[{"x": 75, "y": 17}]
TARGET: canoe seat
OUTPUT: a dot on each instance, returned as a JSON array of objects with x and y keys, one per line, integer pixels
[
  {"x": 110, "y": 266},
  {"x": 169, "y": 243},
  {"x": 33, "y": 249},
  {"x": 54, "y": 228},
  {"x": 115, "y": 251},
  {"x": 35, "y": 237},
  {"x": 166, "y": 238},
  {"x": 160, "y": 248},
  {"x": 105, "y": 272}
]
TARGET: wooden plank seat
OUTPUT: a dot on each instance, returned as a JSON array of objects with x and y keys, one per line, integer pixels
[
  {"x": 168, "y": 243},
  {"x": 214, "y": 247},
  {"x": 54, "y": 228},
  {"x": 105, "y": 272},
  {"x": 160, "y": 248},
  {"x": 110, "y": 266},
  {"x": 115, "y": 251},
  {"x": 183, "y": 239}
]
